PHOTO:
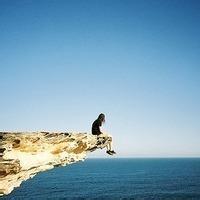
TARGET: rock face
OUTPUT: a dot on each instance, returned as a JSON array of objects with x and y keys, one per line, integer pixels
[{"x": 23, "y": 155}]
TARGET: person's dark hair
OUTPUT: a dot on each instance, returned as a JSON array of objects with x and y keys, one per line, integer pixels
[{"x": 101, "y": 118}]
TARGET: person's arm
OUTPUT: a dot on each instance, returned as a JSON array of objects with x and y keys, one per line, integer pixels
[{"x": 99, "y": 124}]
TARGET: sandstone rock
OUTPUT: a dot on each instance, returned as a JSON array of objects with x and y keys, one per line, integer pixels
[{"x": 23, "y": 155}]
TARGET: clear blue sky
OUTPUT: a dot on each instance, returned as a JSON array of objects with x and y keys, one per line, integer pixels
[{"x": 64, "y": 62}]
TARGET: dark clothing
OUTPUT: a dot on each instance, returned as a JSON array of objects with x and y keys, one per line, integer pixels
[{"x": 96, "y": 127}]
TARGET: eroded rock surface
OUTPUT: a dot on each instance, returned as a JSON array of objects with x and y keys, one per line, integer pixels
[{"x": 23, "y": 155}]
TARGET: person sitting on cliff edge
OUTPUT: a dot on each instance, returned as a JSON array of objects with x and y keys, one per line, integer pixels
[{"x": 96, "y": 131}]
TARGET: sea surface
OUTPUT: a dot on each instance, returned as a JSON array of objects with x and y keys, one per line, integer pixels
[{"x": 136, "y": 179}]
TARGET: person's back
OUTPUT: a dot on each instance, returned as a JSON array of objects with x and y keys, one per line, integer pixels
[{"x": 96, "y": 127}]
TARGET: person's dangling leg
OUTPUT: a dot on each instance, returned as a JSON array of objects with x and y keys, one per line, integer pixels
[
  {"x": 109, "y": 146},
  {"x": 109, "y": 149}
]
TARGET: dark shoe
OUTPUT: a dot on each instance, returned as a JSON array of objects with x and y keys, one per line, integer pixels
[
  {"x": 109, "y": 152},
  {"x": 113, "y": 152}
]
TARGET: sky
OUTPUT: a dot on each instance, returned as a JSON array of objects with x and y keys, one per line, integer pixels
[{"x": 62, "y": 63}]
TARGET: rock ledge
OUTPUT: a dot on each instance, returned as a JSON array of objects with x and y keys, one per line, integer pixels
[{"x": 24, "y": 154}]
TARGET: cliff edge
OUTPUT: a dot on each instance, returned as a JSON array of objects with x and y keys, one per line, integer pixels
[{"x": 24, "y": 154}]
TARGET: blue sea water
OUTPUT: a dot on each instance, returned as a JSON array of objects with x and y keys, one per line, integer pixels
[{"x": 136, "y": 179}]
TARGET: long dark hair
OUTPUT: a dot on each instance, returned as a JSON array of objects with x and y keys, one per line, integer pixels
[{"x": 101, "y": 118}]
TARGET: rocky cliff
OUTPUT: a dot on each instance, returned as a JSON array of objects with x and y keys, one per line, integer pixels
[{"x": 23, "y": 155}]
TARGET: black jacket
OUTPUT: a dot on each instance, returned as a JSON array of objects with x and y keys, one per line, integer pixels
[{"x": 96, "y": 127}]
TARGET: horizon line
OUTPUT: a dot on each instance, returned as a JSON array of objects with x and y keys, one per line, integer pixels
[{"x": 177, "y": 157}]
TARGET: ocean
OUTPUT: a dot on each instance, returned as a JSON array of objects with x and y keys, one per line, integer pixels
[{"x": 136, "y": 179}]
